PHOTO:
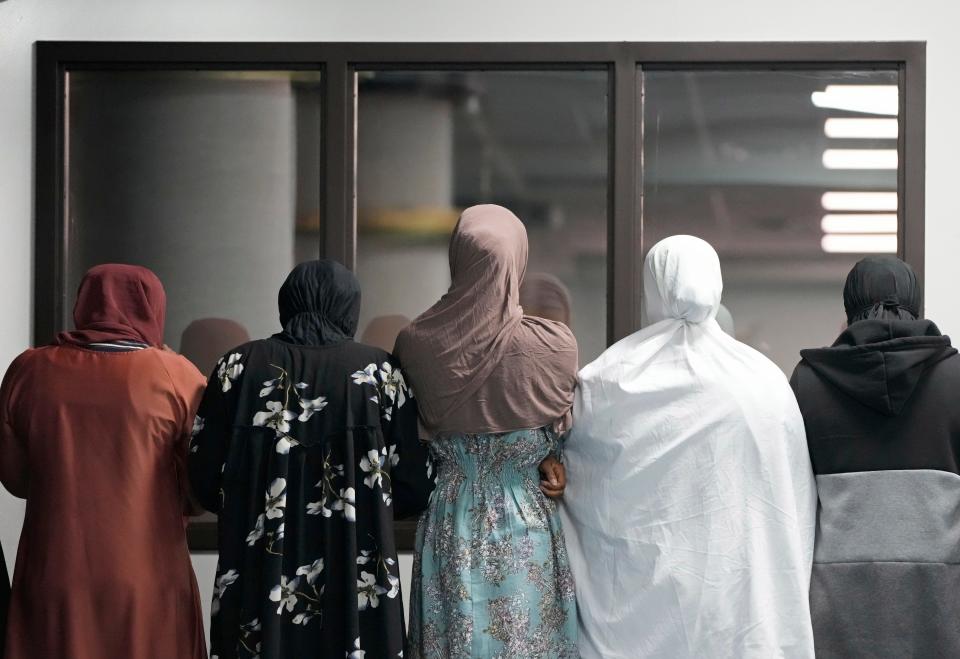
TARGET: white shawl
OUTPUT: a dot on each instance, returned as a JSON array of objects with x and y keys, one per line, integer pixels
[{"x": 690, "y": 507}]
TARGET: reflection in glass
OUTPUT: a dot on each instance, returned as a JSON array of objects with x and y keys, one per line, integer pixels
[
  {"x": 430, "y": 144},
  {"x": 205, "y": 340},
  {"x": 791, "y": 175},
  {"x": 383, "y": 331},
  {"x": 542, "y": 294},
  {"x": 209, "y": 178}
]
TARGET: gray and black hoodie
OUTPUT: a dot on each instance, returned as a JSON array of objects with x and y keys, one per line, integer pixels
[{"x": 882, "y": 414}]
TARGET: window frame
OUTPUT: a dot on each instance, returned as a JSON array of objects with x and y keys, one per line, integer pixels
[{"x": 339, "y": 63}]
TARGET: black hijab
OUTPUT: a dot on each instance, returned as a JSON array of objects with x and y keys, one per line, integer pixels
[
  {"x": 319, "y": 304},
  {"x": 881, "y": 288}
]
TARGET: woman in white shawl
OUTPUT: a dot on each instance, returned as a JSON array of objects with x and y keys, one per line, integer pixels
[{"x": 690, "y": 502}]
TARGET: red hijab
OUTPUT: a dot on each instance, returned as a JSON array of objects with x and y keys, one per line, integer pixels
[{"x": 118, "y": 302}]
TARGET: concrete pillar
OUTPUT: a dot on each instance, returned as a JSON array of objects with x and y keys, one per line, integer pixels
[
  {"x": 405, "y": 187},
  {"x": 191, "y": 174}
]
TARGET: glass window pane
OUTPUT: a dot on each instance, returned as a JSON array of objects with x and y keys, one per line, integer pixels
[
  {"x": 791, "y": 175},
  {"x": 433, "y": 143},
  {"x": 209, "y": 178}
]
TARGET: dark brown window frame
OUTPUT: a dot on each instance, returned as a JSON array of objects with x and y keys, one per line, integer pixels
[{"x": 339, "y": 63}]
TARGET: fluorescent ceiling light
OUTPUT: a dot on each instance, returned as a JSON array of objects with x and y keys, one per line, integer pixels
[
  {"x": 859, "y": 223},
  {"x": 860, "y": 158},
  {"x": 859, "y": 243},
  {"x": 869, "y": 99},
  {"x": 861, "y": 129},
  {"x": 859, "y": 201}
]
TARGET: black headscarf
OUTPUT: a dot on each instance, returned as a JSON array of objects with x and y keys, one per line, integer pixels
[
  {"x": 881, "y": 288},
  {"x": 319, "y": 304}
]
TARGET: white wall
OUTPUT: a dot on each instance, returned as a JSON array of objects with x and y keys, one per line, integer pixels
[{"x": 24, "y": 21}]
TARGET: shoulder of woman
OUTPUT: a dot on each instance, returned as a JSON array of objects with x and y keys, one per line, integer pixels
[
  {"x": 244, "y": 348},
  {"x": 401, "y": 342},
  {"x": 556, "y": 334},
  {"x": 180, "y": 369},
  {"x": 31, "y": 357},
  {"x": 772, "y": 384},
  {"x": 801, "y": 366},
  {"x": 240, "y": 354},
  {"x": 364, "y": 355},
  {"x": 21, "y": 362},
  {"x": 24, "y": 357}
]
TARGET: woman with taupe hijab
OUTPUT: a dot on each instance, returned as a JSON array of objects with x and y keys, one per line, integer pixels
[{"x": 491, "y": 576}]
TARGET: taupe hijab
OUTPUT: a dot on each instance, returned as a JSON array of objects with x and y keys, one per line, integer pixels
[{"x": 476, "y": 363}]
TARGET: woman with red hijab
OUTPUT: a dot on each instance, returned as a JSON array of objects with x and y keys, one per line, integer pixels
[{"x": 93, "y": 434}]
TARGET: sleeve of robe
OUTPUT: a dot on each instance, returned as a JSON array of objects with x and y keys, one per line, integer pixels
[
  {"x": 188, "y": 387},
  {"x": 14, "y": 456},
  {"x": 412, "y": 476},
  {"x": 209, "y": 446}
]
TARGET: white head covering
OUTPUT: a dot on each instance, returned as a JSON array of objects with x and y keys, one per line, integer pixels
[{"x": 690, "y": 505}]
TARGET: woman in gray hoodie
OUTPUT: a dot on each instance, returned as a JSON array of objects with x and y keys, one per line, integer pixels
[{"x": 883, "y": 428}]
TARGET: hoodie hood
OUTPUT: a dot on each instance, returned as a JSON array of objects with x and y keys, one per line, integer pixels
[{"x": 880, "y": 362}]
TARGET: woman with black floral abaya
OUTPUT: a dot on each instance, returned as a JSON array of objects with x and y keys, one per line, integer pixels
[{"x": 306, "y": 447}]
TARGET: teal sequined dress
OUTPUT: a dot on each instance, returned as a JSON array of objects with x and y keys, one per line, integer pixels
[{"x": 491, "y": 576}]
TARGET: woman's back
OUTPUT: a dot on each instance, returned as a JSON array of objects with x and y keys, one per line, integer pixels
[
  {"x": 687, "y": 410},
  {"x": 96, "y": 443},
  {"x": 269, "y": 397}
]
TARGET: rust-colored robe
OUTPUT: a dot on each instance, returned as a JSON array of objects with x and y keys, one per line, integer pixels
[{"x": 96, "y": 443}]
